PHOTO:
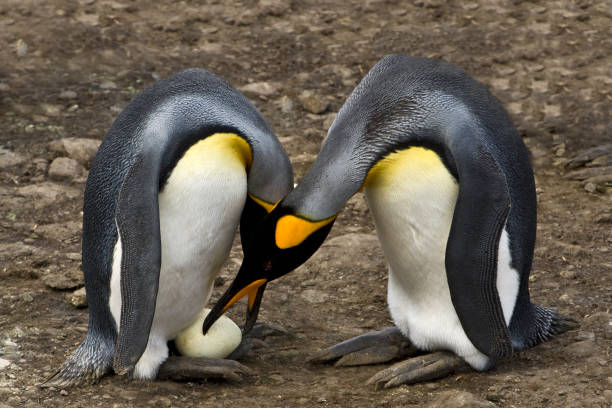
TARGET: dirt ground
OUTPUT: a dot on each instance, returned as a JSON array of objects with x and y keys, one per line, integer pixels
[{"x": 68, "y": 68}]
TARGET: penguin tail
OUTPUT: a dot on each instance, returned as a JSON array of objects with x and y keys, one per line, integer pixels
[
  {"x": 86, "y": 365},
  {"x": 548, "y": 323}
]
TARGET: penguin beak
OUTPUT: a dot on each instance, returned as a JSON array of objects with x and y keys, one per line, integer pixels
[{"x": 237, "y": 290}]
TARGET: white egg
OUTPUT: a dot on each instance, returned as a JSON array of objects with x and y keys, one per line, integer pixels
[{"x": 222, "y": 338}]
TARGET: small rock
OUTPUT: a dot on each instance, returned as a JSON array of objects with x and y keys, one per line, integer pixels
[
  {"x": 313, "y": 103},
  {"x": 329, "y": 120},
  {"x": 51, "y": 109},
  {"x": 21, "y": 48},
  {"x": 63, "y": 392},
  {"x": 80, "y": 149},
  {"x": 15, "y": 250},
  {"x": 66, "y": 280},
  {"x": 601, "y": 320},
  {"x": 65, "y": 231},
  {"x": 4, "y": 87},
  {"x": 27, "y": 297},
  {"x": 65, "y": 169},
  {"x": 10, "y": 159},
  {"x": 78, "y": 298},
  {"x": 276, "y": 378},
  {"x": 10, "y": 350},
  {"x": 108, "y": 85},
  {"x": 459, "y": 399},
  {"x": 246, "y": 18},
  {"x": 88, "y": 19},
  {"x": 585, "y": 335},
  {"x": 68, "y": 95},
  {"x": 585, "y": 348},
  {"x": 261, "y": 88},
  {"x": 568, "y": 274},
  {"x": 560, "y": 150},
  {"x": 314, "y": 296},
  {"x": 552, "y": 110},
  {"x": 4, "y": 363},
  {"x": 590, "y": 187},
  {"x": 500, "y": 83},
  {"x": 286, "y": 104},
  {"x": 274, "y": 7}
]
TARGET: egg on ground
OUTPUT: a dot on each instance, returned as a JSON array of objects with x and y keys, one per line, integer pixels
[{"x": 222, "y": 338}]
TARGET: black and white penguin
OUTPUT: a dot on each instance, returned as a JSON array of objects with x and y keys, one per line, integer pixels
[
  {"x": 185, "y": 162},
  {"x": 451, "y": 190}
]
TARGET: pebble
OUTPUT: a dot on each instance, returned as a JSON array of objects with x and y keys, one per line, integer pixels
[
  {"x": 568, "y": 274},
  {"x": 590, "y": 187},
  {"x": 261, "y": 88},
  {"x": 64, "y": 231},
  {"x": 78, "y": 298},
  {"x": 601, "y": 320},
  {"x": 459, "y": 399},
  {"x": 585, "y": 335},
  {"x": 10, "y": 159},
  {"x": 65, "y": 169},
  {"x": 552, "y": 110},
  {"x": 108, "y": 85},
  {"x": 4, "y": 363},
  {"x": 584, "y": 348},
  {"x": 89, "y": 19},
  {"x": 286, "y": 104},
  {"x": 82, "y": 150},
  {"x": 15, "y": 250},
  {"x": 68, "y": 95},
  {"x": 313, "y": 103},
  {"x": 314, "y": 296},
  {"x": 65, "y": 279},
  {"x": 21, "y": 48},
  {"x": 275, "y": 7},
  {"x": 27, "y": 297},
  {"x": 51, "y": 109},
  {"x": 329, "y": 119}
]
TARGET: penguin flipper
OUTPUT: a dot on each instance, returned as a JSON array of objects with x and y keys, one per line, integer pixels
[
  {"x": 137, "y": 219},
  {"x": 481, "y": 211}
]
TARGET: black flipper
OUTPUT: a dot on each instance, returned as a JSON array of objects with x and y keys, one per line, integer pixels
[
  {"x": 481, "y": 211},
  {"x": 138, "y": 224}
]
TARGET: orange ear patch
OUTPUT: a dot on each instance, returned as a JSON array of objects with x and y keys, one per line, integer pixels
[{"x": 292, "y": 231}]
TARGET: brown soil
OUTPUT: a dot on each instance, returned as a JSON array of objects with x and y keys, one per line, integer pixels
[{"x": 68, "y": 68}]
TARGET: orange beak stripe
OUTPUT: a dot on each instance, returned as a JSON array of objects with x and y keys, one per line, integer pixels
[{"x": 250, "y": 290}]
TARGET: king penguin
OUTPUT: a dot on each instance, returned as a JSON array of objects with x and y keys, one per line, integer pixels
[
  {"x": 451, "y": 189},
  {"x": 186, "y": 162}
]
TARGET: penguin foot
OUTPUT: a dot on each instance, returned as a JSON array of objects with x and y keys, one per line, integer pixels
[
  {"x": 417, "y": 369},
  {"x": 180, "y": 368},
  {"x": 370, "y": 348}
]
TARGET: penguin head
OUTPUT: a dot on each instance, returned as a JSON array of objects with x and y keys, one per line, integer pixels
[{"x": 279, "y": 243}]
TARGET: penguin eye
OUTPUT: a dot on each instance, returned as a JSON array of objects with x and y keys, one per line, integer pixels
[{"x": 267, "y": 265}]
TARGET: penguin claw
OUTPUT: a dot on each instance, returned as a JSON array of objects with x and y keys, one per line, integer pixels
[
  {"x": 370, "y": 348},
  {"x": 417, "y": 369},
  {"x": 180, "y": 368}
]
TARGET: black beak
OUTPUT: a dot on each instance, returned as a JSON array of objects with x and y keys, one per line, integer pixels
[{"x": 238, "y": 289}]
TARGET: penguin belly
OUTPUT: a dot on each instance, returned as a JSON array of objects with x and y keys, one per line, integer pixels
[
  {"x": 412, "y": 196},
  {"x": 199, "y": 209}
]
